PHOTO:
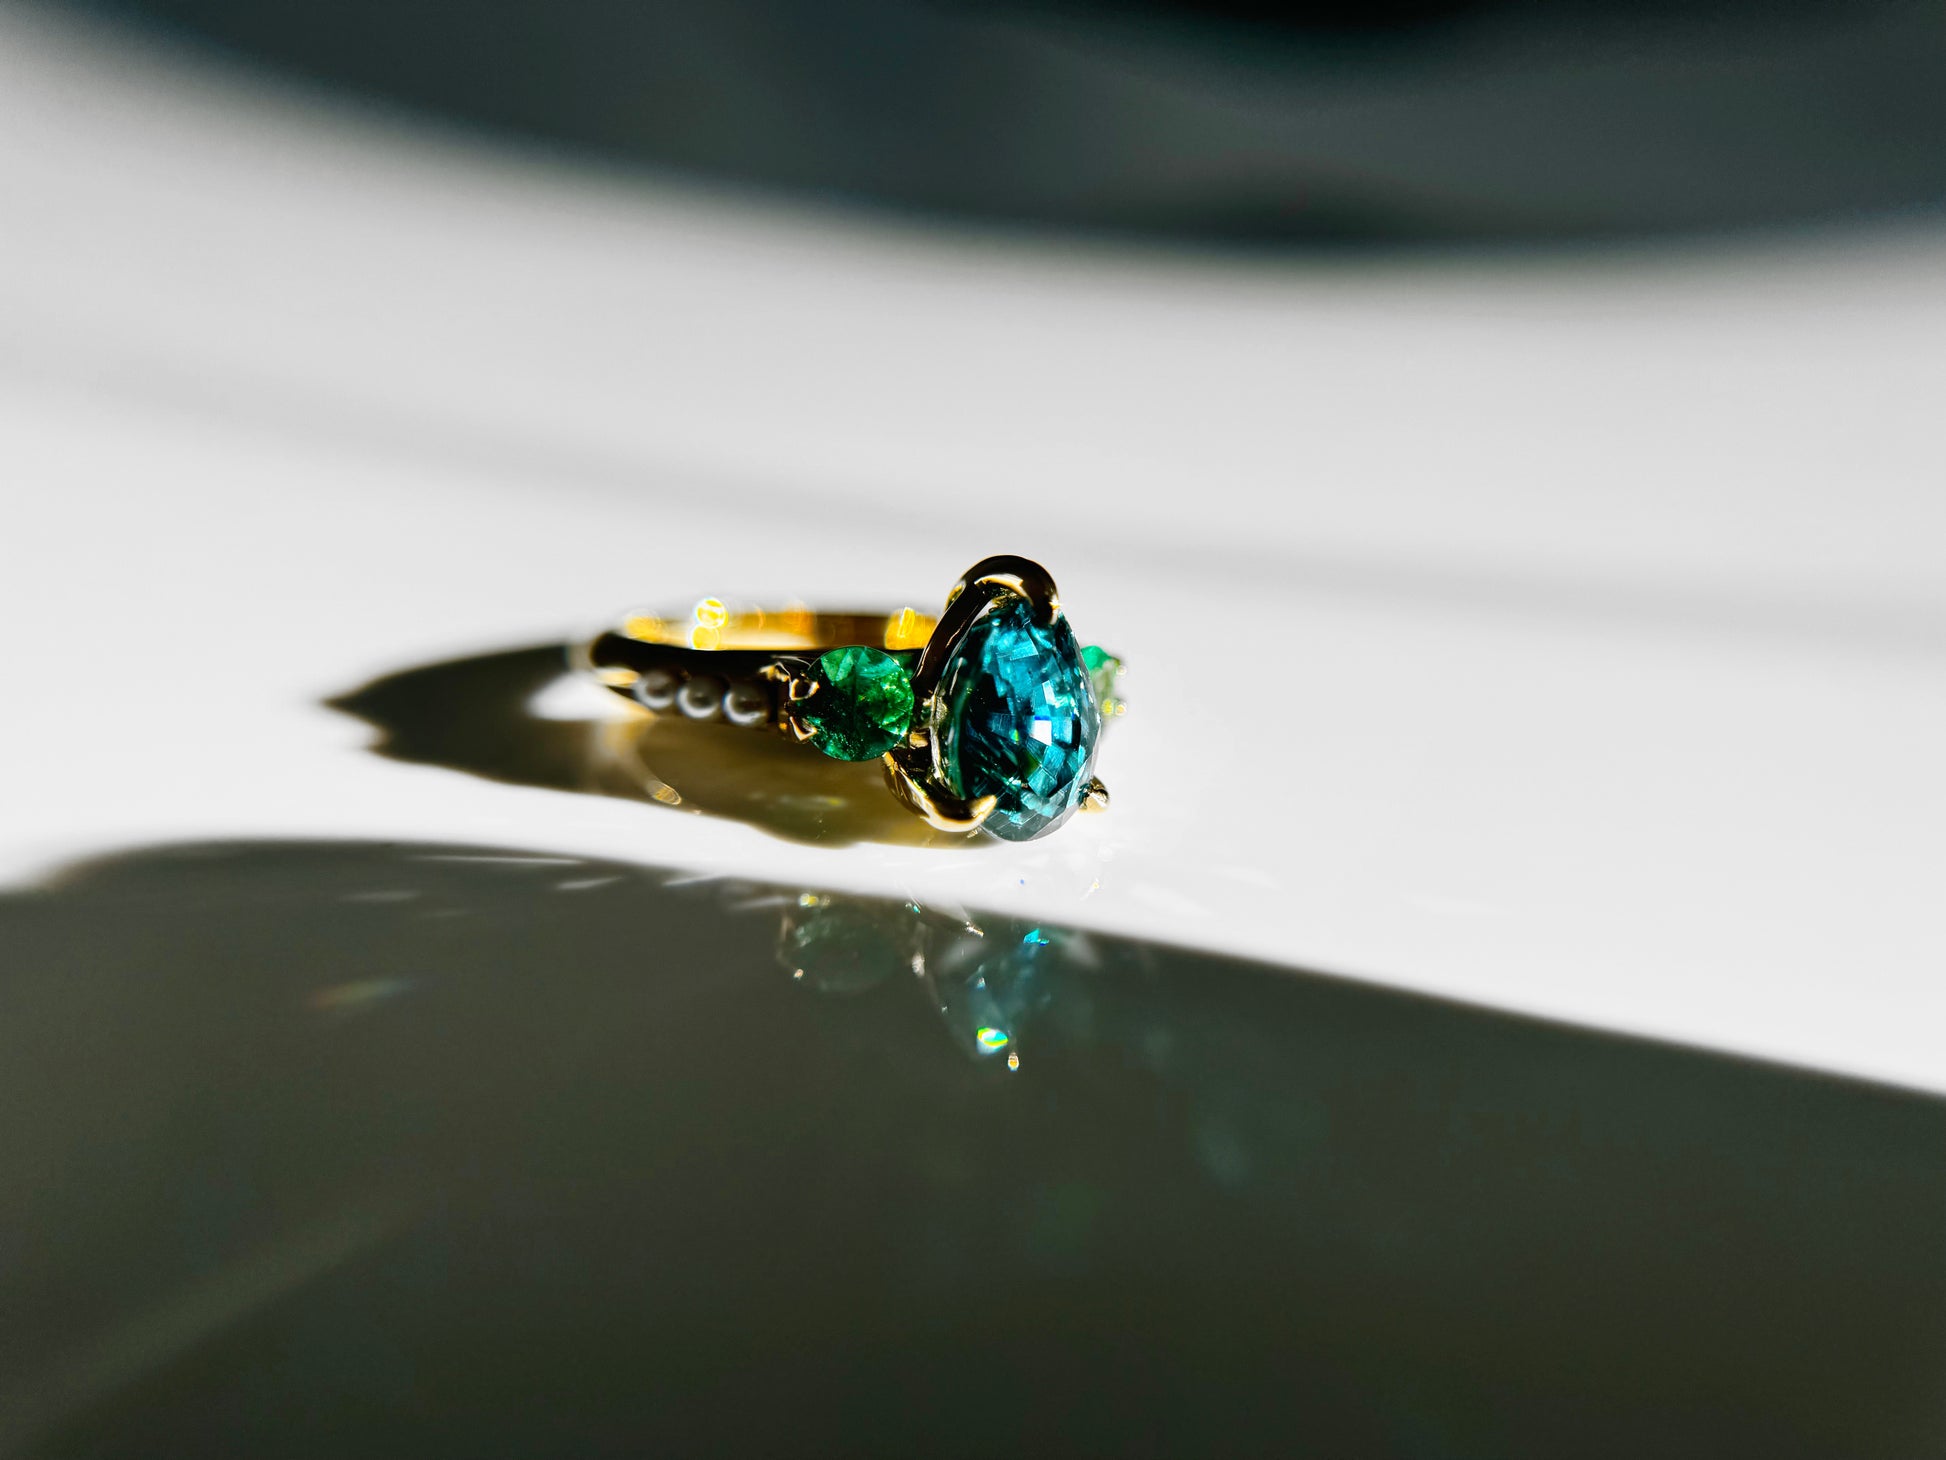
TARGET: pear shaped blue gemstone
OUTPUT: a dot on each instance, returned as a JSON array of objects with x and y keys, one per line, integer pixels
[{"x": 1018, "y": 719}]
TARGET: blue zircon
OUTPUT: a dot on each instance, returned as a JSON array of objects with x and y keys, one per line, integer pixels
[{"x": 1018, "y": 720}]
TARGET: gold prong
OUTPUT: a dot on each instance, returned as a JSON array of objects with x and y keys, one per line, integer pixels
[
  {"x": 1019, "y": 575},
  {"x": 941, "y": 810},
  {"x": 1094, "y": 795}
]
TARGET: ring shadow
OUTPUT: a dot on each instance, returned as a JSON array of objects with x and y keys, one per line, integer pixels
[{"x": 475, "y": 715}]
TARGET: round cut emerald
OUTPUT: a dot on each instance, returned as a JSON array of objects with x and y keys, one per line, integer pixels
[
  {"x": 863, "y": 703},
  {"x": 1018, "y": 719}
]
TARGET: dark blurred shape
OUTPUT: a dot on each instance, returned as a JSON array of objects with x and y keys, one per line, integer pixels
[
  {"x": 1290, "y": 17},
  {"x": 1397, "y": 122},
  {"x": 384, "y": 1150}
]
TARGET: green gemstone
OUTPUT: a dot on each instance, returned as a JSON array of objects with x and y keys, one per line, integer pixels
[
  {"x": 863, "y": 704},
  {"x": 843, "y": 947},
  {"x": 1102, "y": 669}
]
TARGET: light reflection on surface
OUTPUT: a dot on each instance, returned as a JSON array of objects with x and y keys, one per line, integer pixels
[{"x": 987, "y": 989}]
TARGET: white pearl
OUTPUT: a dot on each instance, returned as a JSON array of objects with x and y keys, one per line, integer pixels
[
  {"x": 746, "y": 704},
  {"x": 702, "y": 697},
  {"x": 657, "y": 689}
]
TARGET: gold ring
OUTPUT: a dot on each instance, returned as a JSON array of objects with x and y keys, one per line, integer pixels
[{"x": 986, "y": 717}]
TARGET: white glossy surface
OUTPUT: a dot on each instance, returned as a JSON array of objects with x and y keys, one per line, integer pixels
[{"x": 1608, "y": 682}]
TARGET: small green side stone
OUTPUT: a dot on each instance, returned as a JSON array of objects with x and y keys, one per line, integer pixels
[
  {"x": 1102, "y": 669},
  {"x": 863, "y": 704}
]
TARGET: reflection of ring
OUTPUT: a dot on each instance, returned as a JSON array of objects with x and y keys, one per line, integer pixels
[
  {"x": 988, "y": 984},
  {"x": 985, "y": 717}
]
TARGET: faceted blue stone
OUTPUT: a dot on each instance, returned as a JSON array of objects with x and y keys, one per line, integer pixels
[{"x": 1019, "y": 719}]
